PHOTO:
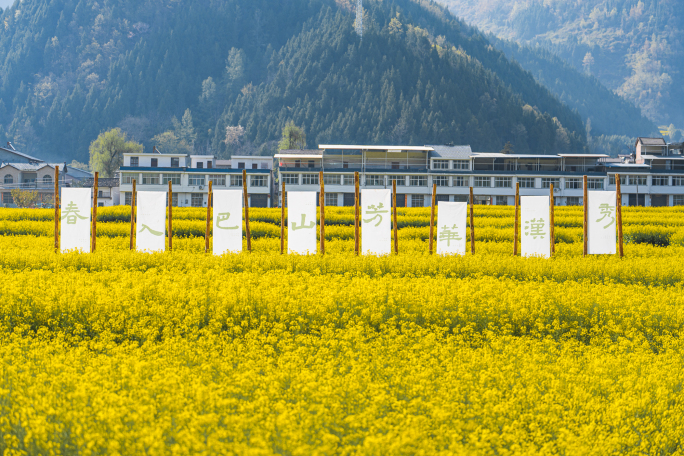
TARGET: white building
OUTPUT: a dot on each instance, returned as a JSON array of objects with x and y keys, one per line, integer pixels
[{"x": 190, "y": 176}]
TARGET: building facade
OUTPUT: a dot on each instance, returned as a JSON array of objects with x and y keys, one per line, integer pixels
[
  {"x": 190, "y": 176},
  {"x": 657, "y": 181}
]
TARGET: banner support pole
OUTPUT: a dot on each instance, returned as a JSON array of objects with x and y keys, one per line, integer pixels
[
  {"x": 93, "y": 240},
  {"x": 517, "y": 219},
  {"x": 586, "y": 214},
  {"x": 619, "y": 213},
  {"x": 472, "y": 224},
  {"x": 170, "y": 216},
  {"x": 322, "y": 205},
  {"x": 247, "y": 231},
  {"x": 432, "y": 216},
  {"x": 552, "y": 227},
  {"x": 394, "y": 214},
  {"x": 209, "y": 218},
  {"x": 132, "y": 215},
  {"x": 282, "y": 220},
  {"x": 356, "y": 212},
  {"x": 56, "y": 201}
]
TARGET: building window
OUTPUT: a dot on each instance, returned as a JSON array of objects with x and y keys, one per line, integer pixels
[
  {"x": 209, "y": 165},
  {"x": 291, "y": 179},
  {"x": 150, "y": 179},
  {"x": 127, "y": 178},
  {"x": 47, "y": 179},
  {"x": 611, "y": 179},
  {"x": 461, "y": 181},
  {"x": 199, "y": 165},
  {"x": 99, "y": 193},
  {"x": 395, "y": 165},
  {"x": 526, "y": 182},
  {"x": 217, "y": 180},
  {"x": 298, "y": 164},
  {"x": 482, "y": 181},
  {"x": 595, "y": 184},
  {"x": 135, "y": 161},
  {"x": 441, "y": 181},
  {"x": 264, "y": 165},
  {"x": 347, "y": 179},
  {"x": 573, "y": 182},
  {"x": 309, "y": 179},
  {"x": 332, "y": 179},
  {"x": 440, "y": 164},
  {"x": 127, "y": 198},
  {"x": 418, "y": 181},
  {"x": 153, "y": 162},
  {"x": 660, "y": 180},
  {"x": 503, "y": 182},
  {"x": 175, "y": 163},
  {"x": 174, "y": 200},
  {"x": 375, "y": 180},
  {"x": 175, "y": 179},
  {"x": 9, "y": 179},
  {"x": 236, "y": 181},
  {"x": 547, "y": 181},
  {"x": 331, "y": 199},
  {"x": 311, "y": 163},
  {"x": 7, "y": 198},
  {"x": 573, "y": 201},
  {"x": 637, "y": 180},
  {"x": 401, "y": 180},
  {"x": 197, "y": 199},
  {"x": 100, "y": 204},
  {"x": 417, "y": 201},
  {"x": 462, "y": 164},
  {"x": 678, "y": 181},
  {"x": 501, "y": 200},
  {"x": 258, "y": 181},
  {"x": 678, "y": 200},
  {"x": 255, "y": 166},
  {"x": 195, "y": 181}
]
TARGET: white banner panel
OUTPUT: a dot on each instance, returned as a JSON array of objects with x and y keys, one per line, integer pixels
[
  {"x": 227, "y": 221},
  {"x": 535, "y": 238},
  {"x": 75, "y": 219},
  {"x": 151, "y": 220},
  {"x": 376, "y": 222},
  {"x": 301, "y": 223},
  {"x": 451, "y": 228},
  {"x": 602, "y": 226}
]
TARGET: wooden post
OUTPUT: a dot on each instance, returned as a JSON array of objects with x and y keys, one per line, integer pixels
[
  {"x": 432, "y": 216},
  {"x": 133, "y": 216},
  {"x": 619, "y": 214},
  {"x": 586, "y": 214},
  {"x": 322, "y": 205},
  {"x": 551, "y": 221},
  {"x": 282, "y": 220},
  {"x": 247, "y": 231},
  {"x": 356, "y": 212},
  {"x": 394, "y": 214},
  {"x": 93, "y": 235},
  {"x": 171, "y": 216},
  {"x": 472, "y": 223},
  {"x": 517, "y": 219},
  {"x": 207, "y": 229},
  {"x": 56, "y": 201}
]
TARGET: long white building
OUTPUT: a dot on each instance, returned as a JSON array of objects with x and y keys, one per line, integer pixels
[{"x": 654, "y": 178}]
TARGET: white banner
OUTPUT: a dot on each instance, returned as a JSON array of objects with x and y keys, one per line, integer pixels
[
  {"x": 301, "y": 223},
  {"x": 227, "y": 221},
  {"x": 151, "y": 222},
  {"x": 75, "y": 219},
  {"x": 451, "y": 228},
  {"x": 602, "y": 223},
  {"x": 535, "y": 233},
  {"x": 376, "y": 222}
]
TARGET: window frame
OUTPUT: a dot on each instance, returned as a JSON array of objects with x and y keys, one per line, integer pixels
[{"x": 480, "y": 180}]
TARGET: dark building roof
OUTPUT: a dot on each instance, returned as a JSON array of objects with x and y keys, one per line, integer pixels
[
  {"x": 108, "y": 182},
  {"x": 651, "y": 141},
  {"x": 10, "y": 150}
]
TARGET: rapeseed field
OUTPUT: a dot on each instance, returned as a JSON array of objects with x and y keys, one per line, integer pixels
[{"x": 119, "y": 352}]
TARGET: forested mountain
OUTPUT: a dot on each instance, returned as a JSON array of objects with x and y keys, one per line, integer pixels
[
  {"x": 72, "y": 68},
  {"x": 635, "y": 47}
]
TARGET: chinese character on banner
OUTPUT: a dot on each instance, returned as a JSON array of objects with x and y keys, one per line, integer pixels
[
  {"x": 303, "y": 225},
  {"x": 534, "y": 228},
  {"x": 448, "y": 235},
  {"x": 607, "y": 211},
  {"x": 375, "y": 211},
  {"x": 153, "y": 232},
  {"x": 72, "y": 212},
  {"x": 223, "y": 217}
]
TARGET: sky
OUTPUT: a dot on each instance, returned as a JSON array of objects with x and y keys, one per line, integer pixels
[{"x": 6, "y": 3}]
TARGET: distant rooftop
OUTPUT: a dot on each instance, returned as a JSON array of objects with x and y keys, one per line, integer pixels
[
  {"x": 651, "y": 141},
  {"x": 353, "y": 147},
  {"x": 451, "y": 152}
]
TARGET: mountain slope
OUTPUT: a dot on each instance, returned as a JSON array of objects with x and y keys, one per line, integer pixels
[
  {"x": 635, "y": 47},
  {"x": 72, "y": 68}
]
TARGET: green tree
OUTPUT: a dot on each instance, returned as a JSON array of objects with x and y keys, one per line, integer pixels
[
  {"x": 24, "y": 198},
  {"x": 169, "y": 143},
  {"x": 293, "y": 137},
  {"x": 106, "y": 152}
]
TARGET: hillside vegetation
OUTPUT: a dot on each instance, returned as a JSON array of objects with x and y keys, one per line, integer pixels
[
  {"x": 635, "y": 47},
  {"x": 70, "y": 69}
]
